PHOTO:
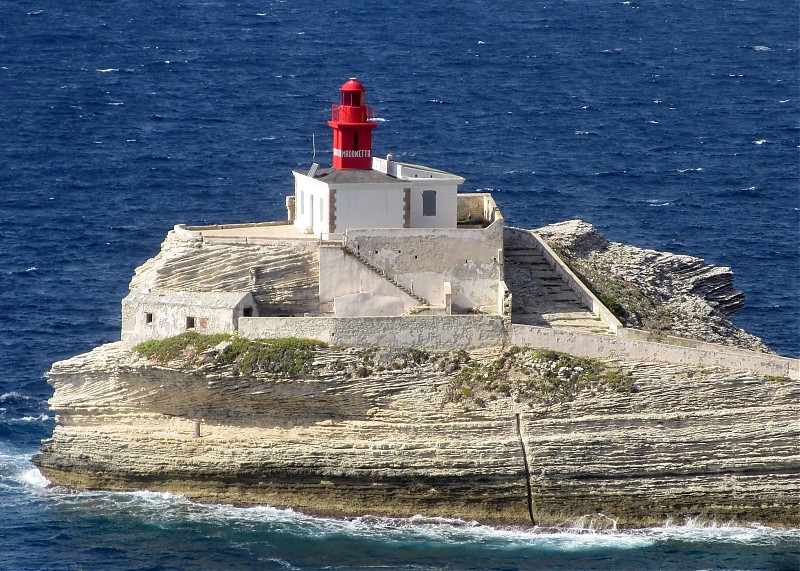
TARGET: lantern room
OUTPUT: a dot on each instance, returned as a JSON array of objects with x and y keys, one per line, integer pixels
[{"x": 352, "y": 128}]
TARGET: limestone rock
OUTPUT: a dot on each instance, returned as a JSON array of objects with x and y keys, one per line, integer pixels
[
  {"x": 680, "y": 295},
  {"x": 683, "y": 442},
  {"x": 282, "y": 275}
]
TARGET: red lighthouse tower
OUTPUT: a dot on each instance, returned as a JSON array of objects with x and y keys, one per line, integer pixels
[{"x": 352, "y": 130}]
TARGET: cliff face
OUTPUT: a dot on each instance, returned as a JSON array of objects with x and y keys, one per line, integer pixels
[{"x": 447, "y": 434}]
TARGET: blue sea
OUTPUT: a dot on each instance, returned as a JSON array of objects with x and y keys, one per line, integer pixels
[{"x": 670, "y": 125}]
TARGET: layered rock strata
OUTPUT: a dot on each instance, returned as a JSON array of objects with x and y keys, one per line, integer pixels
[
  {"x": 659, "y": 291},
  {"x": 397, "y": 433},
  {"x": 282, "y": 275}
]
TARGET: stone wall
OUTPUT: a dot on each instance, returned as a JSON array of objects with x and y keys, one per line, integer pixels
[
  {"x": 477, "y": 207},
  {"x": 160, "y": 314},
  {"x": 343, "y": 275},
  {"x": 615, "y": 347},
  {"x": 435, "y": 332},
  {"x": 423, "y": 259}
]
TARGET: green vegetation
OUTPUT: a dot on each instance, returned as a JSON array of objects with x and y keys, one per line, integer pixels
[
  {"x": 539, "y": 376},
  {"x": 627, "y": 302},
  {"x": 777, "y": 378},
  {"x": 418, "y": 356},
  {"x": 288, "y": 356},
  {"x": 185, "y": 344},
  {"x": 526, "y": 375}
]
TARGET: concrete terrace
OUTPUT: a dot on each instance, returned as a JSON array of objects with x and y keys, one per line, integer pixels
[{"x": 256, "y": 232}]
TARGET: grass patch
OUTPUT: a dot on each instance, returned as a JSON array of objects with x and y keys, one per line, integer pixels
[
  {"x": 288, "y": 356},
  {"x": 624, "y": 299},
  {"x": 183, "y": 345}
]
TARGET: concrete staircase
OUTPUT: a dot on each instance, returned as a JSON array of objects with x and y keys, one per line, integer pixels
[
  {"x": 422, "y": 301},
  {"x": 540, "y": 297}
]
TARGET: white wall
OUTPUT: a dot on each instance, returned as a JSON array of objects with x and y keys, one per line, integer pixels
[
  {"x": 446, "y": 204},
  {"x": 311, "y": 204},
  {"x": 423, "y": 259},
  {"x": 438, "y": 333},
  {"x": 615, "y": 347},
  {"x": 369, "y": 206},
  {"x": 372, "y": 205},
  {"x": 341, "y": 275},
  {"x": 213, "y": 313}
]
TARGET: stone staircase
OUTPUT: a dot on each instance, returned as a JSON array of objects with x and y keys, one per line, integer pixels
[
  {"x": 422, "y": 301},
  {"x": 540, "y": 297}
]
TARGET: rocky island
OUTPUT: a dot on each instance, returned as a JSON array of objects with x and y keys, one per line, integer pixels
[
  {"x": 502, "y": 435},
  {"x": 395, "y": 349}
]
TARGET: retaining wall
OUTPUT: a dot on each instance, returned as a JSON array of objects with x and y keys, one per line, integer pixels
[
  {"x": 615, "y": 347},
  {"x": 435, "y": 332}
]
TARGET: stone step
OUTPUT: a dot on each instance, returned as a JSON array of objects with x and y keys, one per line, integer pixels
[{"x": 539, "y": 295}]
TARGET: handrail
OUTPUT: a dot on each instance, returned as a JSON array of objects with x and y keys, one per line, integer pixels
[{"x": 352, "y": 114}]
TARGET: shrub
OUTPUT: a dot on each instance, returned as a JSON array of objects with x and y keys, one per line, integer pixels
[
  {"x": 288, "y": 356},
  {"x": 164, "y": 350}
]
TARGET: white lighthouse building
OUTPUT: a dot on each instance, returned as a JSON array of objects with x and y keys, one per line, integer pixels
[{"x": 361, "y": 191}]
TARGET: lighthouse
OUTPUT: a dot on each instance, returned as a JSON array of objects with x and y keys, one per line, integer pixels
[
  {"x": 361, "y": 191},
  {"x": 352, "y": 128}
]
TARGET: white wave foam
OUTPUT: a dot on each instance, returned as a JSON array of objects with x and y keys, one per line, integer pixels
[
  {"x": 692, "y": 531},
  {"x": 40, "y": 418},
  {"x": 14, "y": 395},
  {"x": 762, "y": 48},
  {"x": 587, "y": 533},
  {"x": 109, "y": 70},
  {"x": 760, "y": 142},
  {"x": 33, "y": 478},
  {"x": 698, "y": 169},
  {"x": 283, "y": 563},
  {"x": 378, "y": 120}
]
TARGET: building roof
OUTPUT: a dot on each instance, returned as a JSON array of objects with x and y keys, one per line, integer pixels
[
  {"x": 210, "y": 299},
  {"x": 337, "y": 176}
]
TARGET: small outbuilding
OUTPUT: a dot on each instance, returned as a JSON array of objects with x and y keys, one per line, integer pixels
[{"x": 159, "y": 314}]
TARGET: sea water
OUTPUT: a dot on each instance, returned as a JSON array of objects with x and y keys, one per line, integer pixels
[{"x": 670, "y": 125}]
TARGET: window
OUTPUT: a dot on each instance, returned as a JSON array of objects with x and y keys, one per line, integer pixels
[
  {"x": 190, "y": 323},
  {"x": 355, "y": 141},
  {"x": 247, "y": 312},
  {"x": 429, "y": 203},
  {"x": 321, "y": 206},
  {"x": 148, "y": 318},
  {"x": 302, "y": 202}
]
